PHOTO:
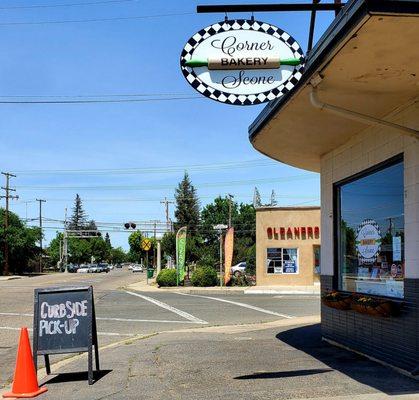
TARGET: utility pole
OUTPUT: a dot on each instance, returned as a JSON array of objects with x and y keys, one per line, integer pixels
[
  {"x": 230, "y": 197},
  {"x": 40, "y": 227},
  {"x": 7, "y": 196},
  {"x": 166, "y": 204}
]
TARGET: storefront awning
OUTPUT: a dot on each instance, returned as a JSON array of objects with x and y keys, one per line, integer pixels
[{"x": 367, "y": 62}]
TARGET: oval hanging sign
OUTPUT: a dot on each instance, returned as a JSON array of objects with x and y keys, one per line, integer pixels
[{"x": 242, "y": 62}]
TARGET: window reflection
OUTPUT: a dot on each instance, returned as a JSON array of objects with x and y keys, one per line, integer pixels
[{"x": 371, "y": 233}]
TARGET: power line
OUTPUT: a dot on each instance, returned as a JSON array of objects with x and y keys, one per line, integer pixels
[
  {"x": 111, "y": 19},
  {"x": 94, "y": 95},
  {"x": 170, "y": 186},
  {"x": 91, "y": 3},
  {"x": 98, "y": 101},
  {"x": 161, "y": 169}
]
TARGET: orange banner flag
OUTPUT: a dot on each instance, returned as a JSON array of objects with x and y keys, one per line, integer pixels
[{"x": 228, "y": 254}]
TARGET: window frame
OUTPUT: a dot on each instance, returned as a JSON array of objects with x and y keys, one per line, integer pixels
[
  {"x": 337, "y": 278},
  {"x": 282, "y": 261}
]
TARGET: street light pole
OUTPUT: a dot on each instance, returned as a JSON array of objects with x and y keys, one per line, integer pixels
[
  {"x": 40, "y": 227},
  {"x": 220, "y": 228},
  {"x": 230, "y": 197}
]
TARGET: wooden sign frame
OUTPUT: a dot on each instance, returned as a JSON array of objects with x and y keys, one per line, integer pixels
[{"x": 91, "y": 337}]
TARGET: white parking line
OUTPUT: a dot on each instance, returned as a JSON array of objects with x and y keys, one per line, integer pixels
[
  {"x": 236, "y": 303},
  {"x": 183, "y": 314},
  {"x": 11, "y": 328},
  {"x": 163, "y": 321}
]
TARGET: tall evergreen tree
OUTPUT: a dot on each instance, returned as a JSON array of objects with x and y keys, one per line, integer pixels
[
  {"x": 78, "y": 220},
  {"x": 187, "y": 205},
  {"x": 273, "y": 199},
  {"x": 108, "y": 240},
  {"x": 256, "y": 199}
]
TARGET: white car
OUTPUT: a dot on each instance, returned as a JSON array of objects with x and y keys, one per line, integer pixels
[
  {"x": 137, "y": 268},
  {"x": 131, "y": 266},
  {"x": 238, "y": 269},
  {"x": 83, "y": 270}
]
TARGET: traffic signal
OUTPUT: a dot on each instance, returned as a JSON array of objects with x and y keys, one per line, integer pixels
[{"x": 129, "y": 225}]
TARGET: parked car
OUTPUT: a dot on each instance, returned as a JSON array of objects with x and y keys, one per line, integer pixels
[
  {"x": 137, "y": 268},
  {"x": 103, "y": 268},
  {"x": 131, "y": 266},
  {"x": 93, "y": 268},
  {"x": 83, "y": 269},
  {"x": 118, "y": 265},
  {"x": 72, "y": 267},
  {"x": 238, "y": 269}
]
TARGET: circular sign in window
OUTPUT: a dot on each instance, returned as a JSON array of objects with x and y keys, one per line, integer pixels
[
  {"x": 242, "y": 62},
  {"x": 368, "y": 241}
]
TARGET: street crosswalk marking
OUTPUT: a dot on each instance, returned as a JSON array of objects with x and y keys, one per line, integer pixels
[
  {"x": 168, "y": 307},
  {"x": 158, "y": 321},
  {"x": 236, "y": 303},
  {"x": 11, "y": 328}
]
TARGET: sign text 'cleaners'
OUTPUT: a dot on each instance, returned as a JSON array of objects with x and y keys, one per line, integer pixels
[{"x": 242, "y": 62}]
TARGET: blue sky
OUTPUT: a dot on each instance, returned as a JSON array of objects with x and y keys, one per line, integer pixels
[{"x": 124, "y": 57}]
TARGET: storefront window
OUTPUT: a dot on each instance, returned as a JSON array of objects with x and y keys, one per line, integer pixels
[
  {"x": 316, "y": 251},
  {"x": 371, "y": 232},
  {"x": 282, "y": 261}
]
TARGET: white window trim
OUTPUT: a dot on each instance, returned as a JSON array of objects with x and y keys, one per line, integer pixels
[{"x": 282, "y": 261}]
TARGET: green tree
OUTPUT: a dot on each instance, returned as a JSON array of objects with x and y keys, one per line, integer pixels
[
  {"x": 216, "y": 213},
  {"x": 78, "y": 220},
  {"x": 22, "y": 242},
  {"x": 187, "y": 205},
  {"x": 118, "y": 256},
  {"x": 168, "y": 244},
  {"x": 53, "y": 250}
]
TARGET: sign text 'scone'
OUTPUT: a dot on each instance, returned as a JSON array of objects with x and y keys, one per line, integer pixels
[{"x": 25, "y": 382}]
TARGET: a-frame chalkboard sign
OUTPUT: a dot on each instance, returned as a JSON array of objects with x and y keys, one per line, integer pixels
[{"x": 64, "y": 322}]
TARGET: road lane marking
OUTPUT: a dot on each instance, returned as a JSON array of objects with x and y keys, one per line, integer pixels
[
  {"x": 168, "y": 307},
  {"x": 164, "y": 321},
  {"x": 236, "y": 303},
  {"x": 11, "y": 328}
]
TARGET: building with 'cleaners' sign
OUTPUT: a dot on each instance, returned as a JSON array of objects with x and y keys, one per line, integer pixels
[{"x": 287, "y": 246}]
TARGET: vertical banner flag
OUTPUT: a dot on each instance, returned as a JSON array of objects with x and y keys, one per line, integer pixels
[
  {"x": 180, "y": 253},
  {"x": 228, "y": 254}
]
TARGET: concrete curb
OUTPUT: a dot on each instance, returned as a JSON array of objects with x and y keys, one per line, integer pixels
[{"x": 286, "y": 290}]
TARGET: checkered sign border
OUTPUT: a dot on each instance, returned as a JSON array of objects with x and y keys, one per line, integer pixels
[
  {"x": 240, "y": 99},
  {"x": 363, "y": 260}
]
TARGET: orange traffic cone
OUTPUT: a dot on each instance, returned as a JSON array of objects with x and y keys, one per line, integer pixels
[{"x": 25, "y": 382}]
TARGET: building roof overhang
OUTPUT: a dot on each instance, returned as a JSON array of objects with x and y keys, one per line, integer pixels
[{"x": 367, "y": 61}]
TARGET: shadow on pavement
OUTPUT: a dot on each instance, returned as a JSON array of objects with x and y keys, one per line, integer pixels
[
  {"x": 309, "y": 340},
  {"x": 283, "y": 374},
  {"x": 76, "y": 376}
]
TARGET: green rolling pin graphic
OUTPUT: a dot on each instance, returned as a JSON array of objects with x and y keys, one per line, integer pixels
[{"x": 242, "y": 62}]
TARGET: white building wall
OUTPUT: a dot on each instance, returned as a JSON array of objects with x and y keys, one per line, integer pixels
[{"x": 366, "y": 149}]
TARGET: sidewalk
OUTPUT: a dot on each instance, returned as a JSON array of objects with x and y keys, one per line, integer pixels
[
  {"x": 9, "y": 277},
  {"x": 273, "y": 361},
  {"x": 152, "y": 287}
]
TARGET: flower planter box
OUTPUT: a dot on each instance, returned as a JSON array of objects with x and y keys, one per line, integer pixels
[
  {"x": 337, "y": 300},
  {"x": 375, "y": 306}
]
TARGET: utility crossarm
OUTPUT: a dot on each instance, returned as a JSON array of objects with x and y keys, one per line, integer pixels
[{"x": 226, "y": 8}]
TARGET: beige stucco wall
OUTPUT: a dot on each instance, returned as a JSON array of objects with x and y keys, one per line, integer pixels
[
  {"x": 366, "y": 149},
  {"x": 286, "y": 217}
]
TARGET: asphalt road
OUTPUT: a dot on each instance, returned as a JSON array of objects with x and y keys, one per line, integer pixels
[{"x": 123, "y": 313}]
